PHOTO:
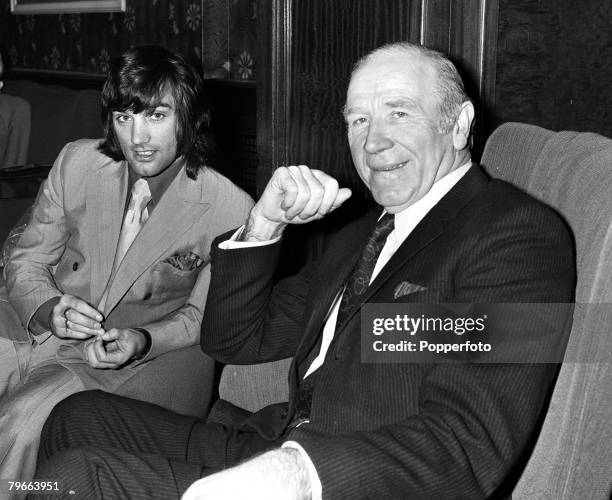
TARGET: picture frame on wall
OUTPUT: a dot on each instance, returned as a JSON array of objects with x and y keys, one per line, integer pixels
[{"x": 66, "y": 6}]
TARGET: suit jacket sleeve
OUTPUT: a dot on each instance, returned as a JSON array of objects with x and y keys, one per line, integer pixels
[
  {"x": 474, "y": 420},
  {"x": 29, "y": 272},
  {"x": 247, "y": 319}
]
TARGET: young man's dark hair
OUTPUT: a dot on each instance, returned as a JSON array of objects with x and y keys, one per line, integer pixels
[{"x": 138, "y": 80}]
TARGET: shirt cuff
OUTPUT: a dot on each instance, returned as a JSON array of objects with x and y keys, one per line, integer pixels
[
  {"x": 148, "y": 344},
  {"x": 40, "y": 322},
  {"x": 316, "y": 489},
  {"x": 232, "y": 243}
]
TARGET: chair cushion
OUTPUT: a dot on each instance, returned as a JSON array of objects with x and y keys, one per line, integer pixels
[{"x": 59, "y": 115}]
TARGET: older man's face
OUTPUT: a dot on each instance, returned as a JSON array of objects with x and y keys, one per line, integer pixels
[{"x": 392, "y": 118}]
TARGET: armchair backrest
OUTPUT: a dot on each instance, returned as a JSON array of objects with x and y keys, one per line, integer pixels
[{"x": 571, "y": 172}]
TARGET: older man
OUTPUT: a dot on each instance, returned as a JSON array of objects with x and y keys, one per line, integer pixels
[
  {"x": 111, "y": 274},
  {"x": 444, "y": 232}
]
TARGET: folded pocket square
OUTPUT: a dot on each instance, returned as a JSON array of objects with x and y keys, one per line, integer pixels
[
  {"x": 185, "y": 262},
  {"x": 406, "y": 288}
]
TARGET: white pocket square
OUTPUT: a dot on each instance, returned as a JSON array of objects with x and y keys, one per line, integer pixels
[{"x": 406, "y": 288}]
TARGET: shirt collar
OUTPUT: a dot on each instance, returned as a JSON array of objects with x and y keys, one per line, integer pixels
[{"x": 159, "y": 183}]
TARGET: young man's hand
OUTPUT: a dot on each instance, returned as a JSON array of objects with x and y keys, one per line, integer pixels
[
  {"x": 115, "y": 348},
  {"x": 73, "y": 318}
]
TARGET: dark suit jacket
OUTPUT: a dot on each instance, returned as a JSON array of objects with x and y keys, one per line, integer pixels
[{"x": 403, "y": 430}]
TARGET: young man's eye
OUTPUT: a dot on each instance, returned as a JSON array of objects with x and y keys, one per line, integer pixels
[
  {"x": 158, "y": 116},
  {"x": 121, "y": 118}
]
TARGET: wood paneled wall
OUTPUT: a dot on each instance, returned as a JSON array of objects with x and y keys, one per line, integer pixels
[
  {"x": 312, "y": 46},
  {"x": 554, "y": 64}
]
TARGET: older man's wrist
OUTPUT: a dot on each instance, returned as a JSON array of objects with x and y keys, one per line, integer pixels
[{"x": 258, "y": 228}]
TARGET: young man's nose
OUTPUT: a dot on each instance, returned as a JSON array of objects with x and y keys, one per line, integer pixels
[{"x": 140, "y": 132}]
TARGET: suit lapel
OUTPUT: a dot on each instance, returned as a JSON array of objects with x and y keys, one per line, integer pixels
[
  {"x": 106, "y": 196},
  {"x": 431, "y": 227},
  {"x": 183, "y": 203}
]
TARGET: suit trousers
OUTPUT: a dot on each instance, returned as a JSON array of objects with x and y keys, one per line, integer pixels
[
  {"x": 32, "y": 382},
  {"x": 100, "y": 445}
]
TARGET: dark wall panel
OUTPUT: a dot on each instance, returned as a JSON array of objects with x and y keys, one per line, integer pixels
[
  {"x": 328, "y": 38},
  {"x": 554, "y": 64}
]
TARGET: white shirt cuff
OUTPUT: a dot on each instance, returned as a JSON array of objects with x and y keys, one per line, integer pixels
[
  {"x": 316, "y": 488},
  {"x": 233, "y": 243}
]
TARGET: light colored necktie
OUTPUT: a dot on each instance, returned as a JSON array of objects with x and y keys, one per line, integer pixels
[{"x": 135, "y": 217}]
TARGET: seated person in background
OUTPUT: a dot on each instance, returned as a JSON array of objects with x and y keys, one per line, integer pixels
[
  {"x": 444, "y": 232},
  {"x": 112, "y": 270},
  {"x": 15, "y": 126}
]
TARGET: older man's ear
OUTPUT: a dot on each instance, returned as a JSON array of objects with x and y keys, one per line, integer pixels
[{"x": 463, "y": 126}]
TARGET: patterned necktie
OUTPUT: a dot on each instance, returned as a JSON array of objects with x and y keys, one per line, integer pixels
[
  {"x": 356, "y": 285},
  {"x": 135, "y": 217},
  {"x": 359, "y": 280}
]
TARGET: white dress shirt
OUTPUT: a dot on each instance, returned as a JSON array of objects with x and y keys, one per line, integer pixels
[{"x": 405, "y": 222}]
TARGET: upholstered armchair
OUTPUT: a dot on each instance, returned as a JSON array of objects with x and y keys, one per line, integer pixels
[{"x": 572, "y": 172}]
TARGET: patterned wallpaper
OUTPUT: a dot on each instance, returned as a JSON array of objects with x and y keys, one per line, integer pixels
[{"x": 219, "y": 33}]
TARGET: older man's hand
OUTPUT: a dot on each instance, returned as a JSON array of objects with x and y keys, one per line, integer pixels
[
  {"x": 275, "y": 475},
  {"x": 294, "y": 195}
]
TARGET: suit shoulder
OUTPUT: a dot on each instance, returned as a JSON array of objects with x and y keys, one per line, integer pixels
[
  {"x": 503, "y": 204},
  {"x": 84, "y": 153},
  {"x": 84, "y": 146},
  {"x": 225, "y": 188},
  {"x": 508, "y": 197}
]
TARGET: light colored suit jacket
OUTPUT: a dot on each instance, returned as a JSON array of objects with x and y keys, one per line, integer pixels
[{"x": 70, "y": 242}]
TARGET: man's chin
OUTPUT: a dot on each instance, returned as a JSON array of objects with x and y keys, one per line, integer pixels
[{"x": 391, "y": 204}]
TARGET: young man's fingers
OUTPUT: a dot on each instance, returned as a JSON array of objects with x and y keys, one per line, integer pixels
[
  {"x": 103, "y": 357},
  {"x": 81, "y": 307},
  {"x": 78, "y": 318}
]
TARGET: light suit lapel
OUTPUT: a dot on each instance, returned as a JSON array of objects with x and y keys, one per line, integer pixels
[
  {"x": 106, "y": 196},
  {"x": 179, "y": 208}
]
